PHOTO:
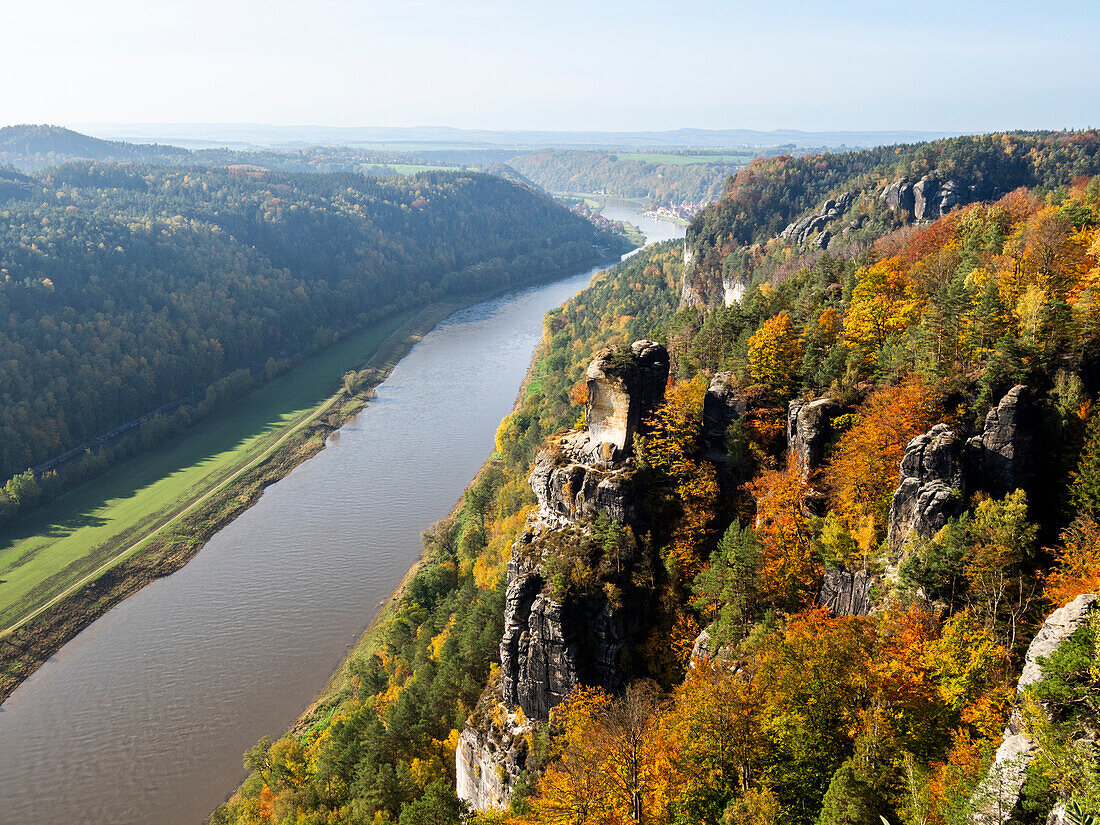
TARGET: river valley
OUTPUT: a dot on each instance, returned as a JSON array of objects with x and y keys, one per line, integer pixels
[{"x": 144, "y": 716}]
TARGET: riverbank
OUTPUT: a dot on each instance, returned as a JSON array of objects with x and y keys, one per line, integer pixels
[
  {"x": 320, "y": 710},
  {"x": 159, "y": 542}
]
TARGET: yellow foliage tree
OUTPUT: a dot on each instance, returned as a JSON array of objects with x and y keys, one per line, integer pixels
[
  {"x": 775, "y": 355},
  {"x": 884, "y": 303}
]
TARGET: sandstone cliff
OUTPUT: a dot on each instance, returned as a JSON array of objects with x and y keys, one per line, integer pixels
[{"x": 558, "y": 633}]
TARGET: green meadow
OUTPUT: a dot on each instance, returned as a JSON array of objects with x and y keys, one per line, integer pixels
[{"x": 106, "y": 519}]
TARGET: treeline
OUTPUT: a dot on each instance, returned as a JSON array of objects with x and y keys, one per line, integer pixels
[
  {"x": 123, "y": 289},
  {"x": 661, "y": 184}
]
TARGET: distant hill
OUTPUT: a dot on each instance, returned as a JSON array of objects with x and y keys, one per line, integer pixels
[
  {"x": 32, "y": 147},
  {"x": 239, "y": 135}
]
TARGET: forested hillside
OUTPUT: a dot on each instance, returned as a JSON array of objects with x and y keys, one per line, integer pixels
[
  {"x": 659, "y": 179},
  {"x": 902, "y": 487},
  {"x": 124, "y": 289},
  {"x": 39, "y": 146}
]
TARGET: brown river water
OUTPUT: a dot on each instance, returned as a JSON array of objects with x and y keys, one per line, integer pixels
[{"x": 143, "y": 717}]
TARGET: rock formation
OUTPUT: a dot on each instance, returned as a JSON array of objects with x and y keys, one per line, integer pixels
[
  {"x": 722, "y": 406},
  {"x": 551, "y": 646},
  {"x": 557, "y": 637},
  {"x": 938, "y": 470},
  {"x": 846, "y": 592},
  {"x": 809, "y": 425},
  {"x": 932, "y": 486},
  {"x": 999, "y": 793},
  {"x": 1002, "y": 456},
  {"x": 491, "y": 755},
  {"x": 622, "y": 387},
  {"x": 805, "y": 228},
  {"x": 929, "y": 198}
]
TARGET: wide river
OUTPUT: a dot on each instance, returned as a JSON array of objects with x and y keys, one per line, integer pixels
[{"x": 143, "y": 717}]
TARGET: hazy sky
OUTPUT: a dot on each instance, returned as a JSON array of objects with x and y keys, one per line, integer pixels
[{"x": 563, "y": 64}]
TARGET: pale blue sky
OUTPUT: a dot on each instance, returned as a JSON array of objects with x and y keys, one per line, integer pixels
[{"x": 969, "y": 65}]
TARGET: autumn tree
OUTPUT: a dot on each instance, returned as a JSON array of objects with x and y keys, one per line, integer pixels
[
  {"x": 884, "y": 303},
  {"x": 671, "y": 446},
  {"x": 1001, "y": 539},
  {"x": 775, "y": 356},
  {"x": 862, "y": 473},
  {"x": 1077, "y": 563},
  {"x": 788, "y": 566}
]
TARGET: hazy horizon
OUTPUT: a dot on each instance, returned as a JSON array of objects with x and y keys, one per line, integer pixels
[{"x": 939, "y": 66}]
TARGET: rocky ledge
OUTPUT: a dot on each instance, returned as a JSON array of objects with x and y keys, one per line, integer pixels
[{"x": 999, "y": 793}]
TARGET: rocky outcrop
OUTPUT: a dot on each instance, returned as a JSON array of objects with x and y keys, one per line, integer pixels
[
  {"x": 733, "y": 289},
  {"x": 571, "y": 483},
  {"x": 938, "y": 470},
  {"x": 556, "y": 638},
  {"x": 585, "y": 472},
  {"x": 491, "y": 754},
  {"x": 930, "y": 198},
  {"x": 846, "y": 592},
  {"x": 622, "y": 388},
  {"x": 809, "y": 425},
  {"x": 1002, "y": 457},
  {"x": 549, "y": 646},
  {"x": 812, "y": 227},
  {"x": 722, "y": 406},
  {"x": 999, "y": 793},
  {"x": 899, "y": 196},
  {"x": 931, "y": 488}
]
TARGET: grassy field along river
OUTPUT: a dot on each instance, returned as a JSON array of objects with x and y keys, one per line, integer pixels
[{"x": 151, "y": 513}]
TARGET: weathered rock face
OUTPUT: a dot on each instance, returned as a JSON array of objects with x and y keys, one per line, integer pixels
[
  {"x": 490, "y": 757},
  {"x": 1002, "y": 456},
  {"x": 549, "y": 647},
  {"x": 722, "y": 406},
  {"x": 806, "y": 228},
  {"x": 929, "y": 198},
  {"x": 577, "y": 483},
  {"x": 932, "y": 486},
  {"x": 999, "y": 793},
  {"x": 846, "y": 592},
  {"x": 732, "y": 290},
  {"x": 899, "y": 195},
  {"x": 622, "y": 389},
  {"x": 924, "y": 198},
  {"x": 809, "y": 425}
]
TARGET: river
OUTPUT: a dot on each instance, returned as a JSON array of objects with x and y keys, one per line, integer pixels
[{"x": 143, "y": 717}]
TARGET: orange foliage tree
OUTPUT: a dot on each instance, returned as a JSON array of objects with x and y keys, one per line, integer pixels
[
  {"x": 788, "y": 568},
  {"x": 863, "y": 471},
  {"x": 1077, "y": 567}
]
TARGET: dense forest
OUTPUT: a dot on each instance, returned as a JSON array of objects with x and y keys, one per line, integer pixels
[
  {"x": 800, "y": 713},
  {"x": 656, "y": 182},
  {"x": 124, "y": 289},
  {"x": 659, "y": 179}
]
